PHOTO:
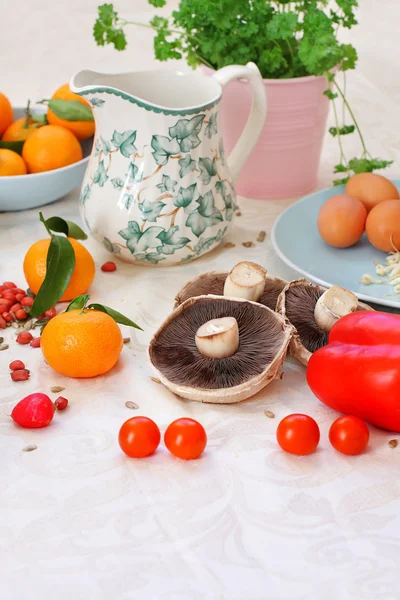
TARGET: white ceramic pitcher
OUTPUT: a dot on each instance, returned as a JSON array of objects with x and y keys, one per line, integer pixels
[{"x": 158, "y": 189}]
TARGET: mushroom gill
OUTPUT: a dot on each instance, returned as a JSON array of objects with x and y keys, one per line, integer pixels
[
  {"x": 263, "y": 340},
  {"x": 297, "y": 303},
  {"x": 214, "y": 282}
]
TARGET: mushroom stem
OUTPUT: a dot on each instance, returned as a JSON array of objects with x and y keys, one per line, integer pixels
[
  {"x": 246, "y": 280},
  {"x": 218, "y": 338},
  {"x": 332, "y": 305}
]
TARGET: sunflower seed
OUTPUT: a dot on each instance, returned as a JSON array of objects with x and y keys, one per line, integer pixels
[
  {"x": 229, "y": 245},
  {"x": 248, "y": 244},
  {"x": 131, "y": 404},
  {"x": 269, "y": 414},
  {"x": 1, "y": 340},
  {"x": 127, "y": 340},
  {"x": 238, "y": 213},
  {"x": 261, "y": 236},
  {"x": 392, "y": 443},
  {"x": 8, "y": 324},
  {"x": 4, "y": 346},
  {"x": 155, "y": 379},
  {"x": 57, "y": 388},
  {"x": 28, "y": 325},
  {"x": 15, "y": 325},
  {"x": 29, "y": 448}
]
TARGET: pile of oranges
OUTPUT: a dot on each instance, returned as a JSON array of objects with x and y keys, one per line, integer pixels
[{"x": 45, "y": 146}]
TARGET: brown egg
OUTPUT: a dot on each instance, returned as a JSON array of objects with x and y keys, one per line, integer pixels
[
  {"x": 383, "y": 224},
  {"x": 341, "y": 221},
  {"x": 371, "y": 189}
]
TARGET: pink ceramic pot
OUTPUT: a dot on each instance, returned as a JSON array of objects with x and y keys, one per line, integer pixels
[{"x": 285, "y": 160}]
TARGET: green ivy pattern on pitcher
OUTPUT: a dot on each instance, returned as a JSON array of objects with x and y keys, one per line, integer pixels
[{"x": 153, "y": 235}]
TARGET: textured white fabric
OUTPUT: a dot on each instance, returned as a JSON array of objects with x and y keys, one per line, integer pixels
[{"x": 246, "y": 522}]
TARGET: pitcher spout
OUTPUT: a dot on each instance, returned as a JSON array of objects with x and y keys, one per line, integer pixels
[
  {"x": 86, "y": 81},
  {"x": 174, "y": 92}
]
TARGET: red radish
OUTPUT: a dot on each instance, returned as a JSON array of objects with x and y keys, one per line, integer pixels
[
  {"x": 15, "y": 365},
  {"x": 20, "y": 375},
  {"x": 3, "y": 323},
  {"x": 108, "y": 267},
  {"x": 61, "y": 403},
  {"x": 24, "y": 337},
  {"x": 18, "y": 291},
  {"x": 50, "y": 313},
  {"x": 19, "y": 297},
  {"x": 2, "y": 288},
  {"x": 33, "y": 411},
  {"x": 35, "y": 343},
  {"x": 15, "y": 307},
  {"x": 26, "y": 301},
  {"x": 7, "y": 316},
  {"x": 9, "y": 285}
]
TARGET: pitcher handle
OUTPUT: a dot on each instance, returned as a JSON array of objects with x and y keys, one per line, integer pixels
[{"x": 258, "y": 112}]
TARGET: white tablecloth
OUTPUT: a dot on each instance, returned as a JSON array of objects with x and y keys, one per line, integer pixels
[{"x": 80, "y": 520}]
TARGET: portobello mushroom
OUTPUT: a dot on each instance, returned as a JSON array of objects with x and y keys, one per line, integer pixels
[
  {"x": 214, "y": 283},
  {"x": 213, "y": 370},
  {"x": 312, "y": 310}
]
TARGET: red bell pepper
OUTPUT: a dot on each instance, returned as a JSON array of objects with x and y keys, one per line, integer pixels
[{"x": 358, "y": 372}]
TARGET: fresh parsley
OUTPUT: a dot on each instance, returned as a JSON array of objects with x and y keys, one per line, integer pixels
[{"x": 285, "y": 38}]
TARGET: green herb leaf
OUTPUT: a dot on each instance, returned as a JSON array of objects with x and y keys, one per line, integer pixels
[
  {"x": 78, "y": 302},
  {"x": 69, "y": 228},
  {"x": 340, "y": 181},
  {"x": 106, "y": 29},
  {"x": 71, "y": 110},
  {"x": 14, "y": 146},
  {"x": 118, "y": 317},
  {"x": 59, "y": 268},
  {"x": 340, "y": 168},
  {"x": 345, "y": 130},
  {"x": 158, "y": 3}
]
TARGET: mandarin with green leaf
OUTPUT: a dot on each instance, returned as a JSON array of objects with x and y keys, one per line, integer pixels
[
  {"x": 20, "y": 130},
  {"x": 82, "y": 276},
  {"x": 82, "y": 343},
  {"x": 82, "y": 129}
]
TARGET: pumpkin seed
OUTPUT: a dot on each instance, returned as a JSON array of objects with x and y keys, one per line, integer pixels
[
  {"x": 248, "y": 244},
  {"x": 393, "y": 443},
  {"x": 261, "y": 236},
  {"x": 127, "y": 340},
  {"x": 4, "y": 346},
  {"x": 57, "y": 388},
  {"x": 131, "y": 405},
  {"x": 229, "y": 245},
  {"x": 29, "y": 448},
  {"x": 28, "y": 325},
  {"x": 15, "y": 325},
  {"x": 155, "y": 379},
  {"x": 269, "y": 414}
]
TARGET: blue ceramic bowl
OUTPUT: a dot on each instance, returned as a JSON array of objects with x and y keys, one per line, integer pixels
[{"x": 21, "y": 192}]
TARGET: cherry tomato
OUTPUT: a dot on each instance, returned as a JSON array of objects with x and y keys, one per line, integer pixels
[
  {"x": 349, "y": 435},
  {"x": 298, "y": 434},
  {"x": 185, "y": 438},
  {"x": 139, "y": 437}
]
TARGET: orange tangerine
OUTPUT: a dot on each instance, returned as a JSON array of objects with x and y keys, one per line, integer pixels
[{"x": 35, "y": 268}]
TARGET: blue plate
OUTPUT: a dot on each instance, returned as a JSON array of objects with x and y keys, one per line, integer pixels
[{"x": 297, "y": 242}]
